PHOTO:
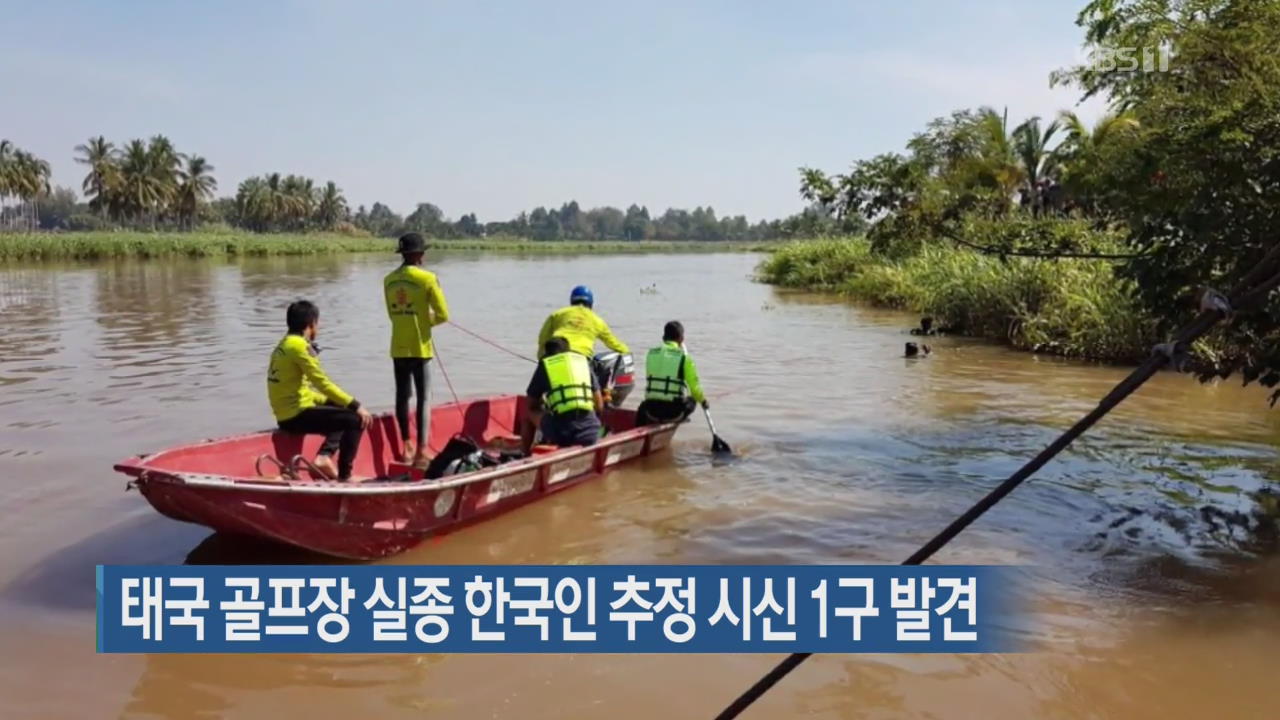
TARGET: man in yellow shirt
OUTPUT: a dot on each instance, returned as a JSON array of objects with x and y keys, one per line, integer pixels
[
  {"x": 579, "y": 325},
  {"x": 305, "y": 401},
  {"x": 415, "y": 304}
]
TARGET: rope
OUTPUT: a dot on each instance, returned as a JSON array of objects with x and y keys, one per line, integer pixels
[
  {"x": 487, "y": 341},
  {"x": 1031, "y": 253},
  {"x": 457, "y": 404},
  {"x": 1245, "y": 295}
]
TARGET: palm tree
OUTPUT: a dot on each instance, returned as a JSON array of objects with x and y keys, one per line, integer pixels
[
  {"x": 331, "y": 207},
  {"x": 998, "y": 160},
  {"x": 1080, "y": 152},
  {"x": 104, "y": 173},
  {"x": 253, "y": 203},
  {"x": 6, "y": 171},
  {"x": 142, "y": 189},
  {"x": 299, "y": 200},
  {"x": 195, "y": 186},
  {"x": 28, "y": 179},
  {"x": 164, "y": 164},
  {"x": 1031, "y": 144},
  {"x": 1081, "y": 140}
]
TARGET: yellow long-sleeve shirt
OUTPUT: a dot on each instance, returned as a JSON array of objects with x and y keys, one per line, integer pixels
[
  {"x": 295, "y": 380},
  {"x": 415, "y": 304},
  {"x": 581, "y": 326}
]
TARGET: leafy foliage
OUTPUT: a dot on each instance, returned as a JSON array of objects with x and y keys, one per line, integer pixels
[
  {"x": 1077, "y": 308},
  {"x": 1200, "y": 180},
  {"x": 1179, "y": 182}
]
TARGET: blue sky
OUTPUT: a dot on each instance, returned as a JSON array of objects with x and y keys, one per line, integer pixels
[{"x": 496, "y": 107}]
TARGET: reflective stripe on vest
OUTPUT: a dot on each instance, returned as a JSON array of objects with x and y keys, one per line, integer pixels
[
  {"x": 569, "y": 375},
  {"x": 664, "y": 367}
]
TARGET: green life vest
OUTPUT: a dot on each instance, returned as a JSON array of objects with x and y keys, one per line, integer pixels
[
  {"x": 664, "y": 366},
  {"x": 569, "y": 375}
]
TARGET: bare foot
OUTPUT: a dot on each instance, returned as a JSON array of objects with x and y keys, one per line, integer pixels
[
  {"x": 325, "y": 465},
  {"x": 406, "y": 457},
  {"x": 420, "y": 459}
]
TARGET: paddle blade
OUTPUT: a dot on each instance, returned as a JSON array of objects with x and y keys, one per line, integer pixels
[{"x": 719, "y": 446}]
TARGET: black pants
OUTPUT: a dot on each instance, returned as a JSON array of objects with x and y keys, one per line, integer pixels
[
  {"x": 341, "y": 430},
  {"x": 412, "y": 370},
  {"x": 656, "y": 412}
]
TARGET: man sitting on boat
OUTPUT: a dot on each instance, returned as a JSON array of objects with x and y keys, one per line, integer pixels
[
  {"x": 304, "y": 399},
  {"x": 579, "y": 325},
  {"x": 564, "y": 398},
  {"x": 672, "y": 389}
]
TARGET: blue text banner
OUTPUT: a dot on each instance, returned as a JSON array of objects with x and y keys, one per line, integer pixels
[{"x": 555, "y": 609}]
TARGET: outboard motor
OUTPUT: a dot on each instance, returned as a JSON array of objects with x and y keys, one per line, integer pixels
[{"x": 615, "y": 371}]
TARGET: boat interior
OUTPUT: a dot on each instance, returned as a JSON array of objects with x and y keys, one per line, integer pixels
[{"x": 491, "y": 423}]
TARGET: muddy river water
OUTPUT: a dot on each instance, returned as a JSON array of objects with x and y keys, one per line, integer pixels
[{"x": 1157, "y": 593}]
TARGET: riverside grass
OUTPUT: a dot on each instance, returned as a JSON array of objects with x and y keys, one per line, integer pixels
[
  {"x": 1071, "y": 307},
  {"x": 103, "y": 245}
]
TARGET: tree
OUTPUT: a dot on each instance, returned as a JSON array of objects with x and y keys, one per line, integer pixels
[
  {"x": 605, "y": 223},
  {"x": 1087, "y": 157},
  {"x": 1200, "y": 180},
  {"x": 1031, "y": 145},
  {"x": 426, "y": 219},
  {"x": 26, "y": 177},
  {"x": 104, "y": 172},
  {"x": 195, "y": 187},
  {"x": 57, "y": 209},
  {"x": 164, "y": 164},
  {"x": 469, "y": 226},
  {"x": 142, "y": 189},
  {"x": 254, "y": 206},
  {"x": 382, "y": 221},
  {"x": 635, "y": 226},
  {"x": 8, "y": 172},
  {"x": 331, "y": 207}
]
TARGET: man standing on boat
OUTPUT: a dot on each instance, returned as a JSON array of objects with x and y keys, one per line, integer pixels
[
  {"x": 579, "y": 325},
  {"x": 672, "y": 389},
  {"x": 564, "y": 399},
  {"x": 415, "y": 304},
  {"x": 305, "y": 401}
]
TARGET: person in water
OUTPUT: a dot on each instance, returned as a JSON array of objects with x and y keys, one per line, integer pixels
[
  {"x": 415, "y": 304},
  {"x": 579, "y": 324},
  {"x": 926, "y": 327},
  {"x": 305, "y": 401},
  {"x": 914, "y": 350},
  {"x": 672, "y": 389},
  {"x": 564, "y": 399}
]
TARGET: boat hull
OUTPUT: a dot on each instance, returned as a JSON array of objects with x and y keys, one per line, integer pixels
[{"x": 364, "y": 521}]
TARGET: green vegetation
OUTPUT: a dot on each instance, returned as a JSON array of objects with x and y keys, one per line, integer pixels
[
  {"x": 25, "y": 247},
  {"x": 988, "y": 224},
  {"x": 149, "y": 185},
  {"x": 1077, "y": 308}
]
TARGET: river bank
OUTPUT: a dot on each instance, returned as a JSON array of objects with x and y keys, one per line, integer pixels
[
  {"x": 105, "y": 245},
  {"x": 1070, "y": 307}
]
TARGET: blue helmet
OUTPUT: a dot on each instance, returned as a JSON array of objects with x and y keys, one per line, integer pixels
[{"x": 582, "y": 294}]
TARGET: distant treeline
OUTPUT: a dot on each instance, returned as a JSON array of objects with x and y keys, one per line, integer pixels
[{"x": 149, "y": 185}]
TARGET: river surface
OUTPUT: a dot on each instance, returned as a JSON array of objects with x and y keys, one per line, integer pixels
[{"x": 1156, "y": 591}]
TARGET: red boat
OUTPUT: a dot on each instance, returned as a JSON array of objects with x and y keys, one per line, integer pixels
[{"x": 218, "y": 483}]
